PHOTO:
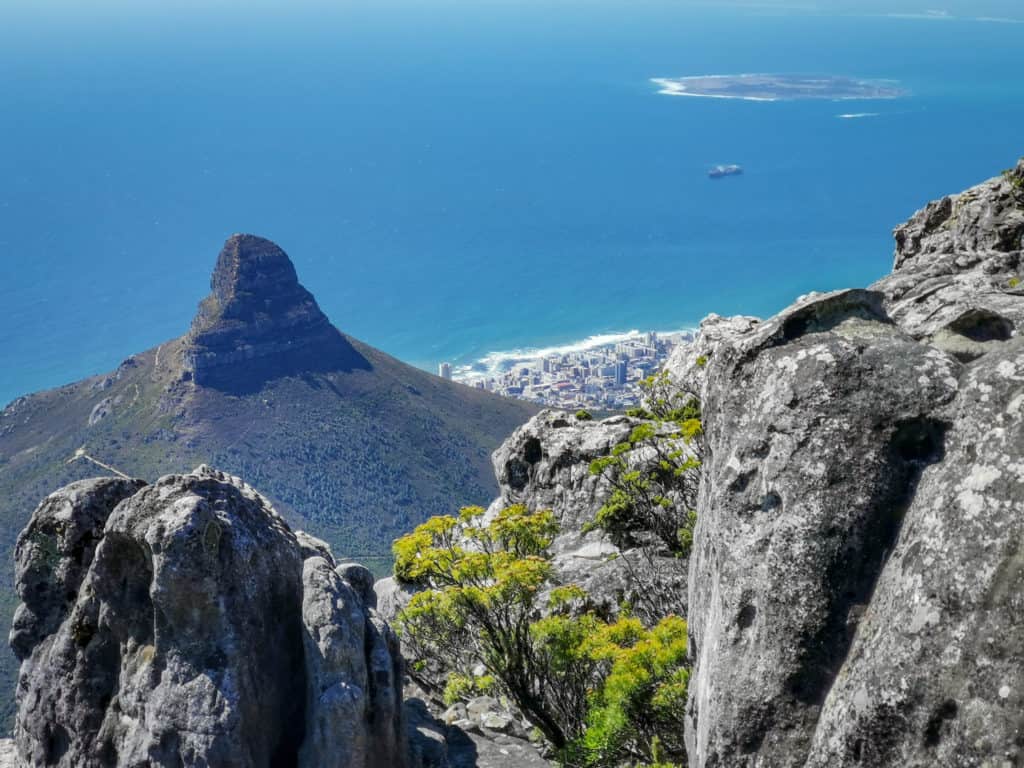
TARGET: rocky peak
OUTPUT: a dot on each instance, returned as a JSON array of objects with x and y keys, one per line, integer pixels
[
  {"x": 259, "y": 323},
  {"x": 254, "y": 277},
  {"x": 984, "y": 219}
]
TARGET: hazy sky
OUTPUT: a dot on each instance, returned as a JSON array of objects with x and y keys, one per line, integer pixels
[{"x": 965, "y": 8}]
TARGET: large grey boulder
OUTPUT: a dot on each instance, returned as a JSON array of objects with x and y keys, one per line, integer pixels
[
  {"x": 196, "y": 633},
  {"x": 392, "y": 596},
  {"x": 819, "y": 423},
  {"x": 545, "y": 464},
  {"x": 856, "y": 582},
  {"x": 54, "y": 553},
  {"x": 935, "y": 675}
]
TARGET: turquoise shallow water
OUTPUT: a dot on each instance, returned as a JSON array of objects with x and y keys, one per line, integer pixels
[{"x": 457, "y": 178}]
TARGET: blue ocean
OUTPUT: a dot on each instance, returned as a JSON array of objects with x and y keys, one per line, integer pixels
[{"x": 454, "y": 179}]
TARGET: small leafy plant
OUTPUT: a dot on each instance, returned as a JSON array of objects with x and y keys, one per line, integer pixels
[
  {"x": 1016, "y": 180},
  {"x": 654, "y": 473}
]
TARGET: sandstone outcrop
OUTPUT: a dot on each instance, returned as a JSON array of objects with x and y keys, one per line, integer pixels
[
  {"x": 259, "y": 323},
  {"x": 856, "y": 581},
  {"x": 183, "y": 623}
]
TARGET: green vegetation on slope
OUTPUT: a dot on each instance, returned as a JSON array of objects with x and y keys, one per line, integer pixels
[{"x": 603, "y": 691}]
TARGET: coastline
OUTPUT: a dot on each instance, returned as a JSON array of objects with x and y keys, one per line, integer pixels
[
  {"x": 603, "y": 371},
  {"x": 498, "y": 361}
]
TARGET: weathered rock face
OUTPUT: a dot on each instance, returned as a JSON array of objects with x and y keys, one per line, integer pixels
[
  {"x": 935, "y": 675},
  {"x": 183, "y": 624},
  {"x": 259, "y": 323},
  {"x": 545, "y": 464},
  {"x": 354, "y": 675},
  {"x": 818, "y": 429},
  {"x": 857, "y": 577},
  {"x": 955, "y": 261},
  {"x": 55, "y": 552}
]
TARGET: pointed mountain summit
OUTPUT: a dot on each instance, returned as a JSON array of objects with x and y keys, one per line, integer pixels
[
  {"x": 259, "y": 323},
  {"x": 349, "y": 443}
]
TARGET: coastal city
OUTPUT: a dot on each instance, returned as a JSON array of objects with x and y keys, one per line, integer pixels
[{"x": 604, "y": 374}]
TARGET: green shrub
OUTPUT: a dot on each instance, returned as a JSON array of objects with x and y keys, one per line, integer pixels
[
  {"x": 654, "y": 474},
  {"x": 666, "y": 401},
  {"x": 685, "y": 534},
  {"x": 583, "y": 415},
  {"x": 457, "y": 688},
  {"x": 483, "y": 584},
  {"x": 600, "y": 691},
  {"x": 460, "y": 687},
  {"x": 639, "y": 710}
]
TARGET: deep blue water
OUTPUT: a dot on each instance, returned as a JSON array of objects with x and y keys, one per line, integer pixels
[{"x": 453, "y": 178}]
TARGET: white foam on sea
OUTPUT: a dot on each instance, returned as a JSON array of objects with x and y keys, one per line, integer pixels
[
  {"x": 947, "y": 16},
  {"x": 997, "y": 20},
  {"x": 495, "y": 363},
  {"x": 926, "y": 16},
  {"x": 858, "y": 115}
]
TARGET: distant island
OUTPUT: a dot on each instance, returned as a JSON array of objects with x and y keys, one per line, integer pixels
[{"x": 778, "y": 87}]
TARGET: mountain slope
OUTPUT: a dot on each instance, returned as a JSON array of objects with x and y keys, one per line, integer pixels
[{"x": 348, "y": 442}]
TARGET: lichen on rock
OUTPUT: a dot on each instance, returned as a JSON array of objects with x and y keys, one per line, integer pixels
[{"x": 856, "y": 577}]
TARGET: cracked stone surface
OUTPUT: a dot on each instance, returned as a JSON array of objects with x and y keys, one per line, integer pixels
[
  {"x": 857, "y": 583},
  {"x": 183, "y": 623}
]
